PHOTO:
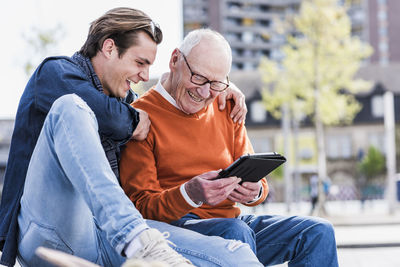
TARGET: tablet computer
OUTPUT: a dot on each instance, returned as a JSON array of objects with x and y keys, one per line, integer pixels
[{"x": 253, "y": 167}]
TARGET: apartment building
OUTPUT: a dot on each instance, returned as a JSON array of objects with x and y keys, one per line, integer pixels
[{"x": 249, "y": 26}]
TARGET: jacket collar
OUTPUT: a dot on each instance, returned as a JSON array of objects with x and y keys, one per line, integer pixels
[{"x": 87, "y": 67}]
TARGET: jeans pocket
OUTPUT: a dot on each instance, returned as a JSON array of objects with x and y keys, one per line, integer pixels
[{"x": 39, "y": 235}]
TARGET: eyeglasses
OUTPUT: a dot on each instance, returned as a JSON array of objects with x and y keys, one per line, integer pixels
[{"x": 201, "y": 80}]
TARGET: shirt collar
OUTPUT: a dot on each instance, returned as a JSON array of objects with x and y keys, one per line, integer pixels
[{"x": 161, "y": 90}]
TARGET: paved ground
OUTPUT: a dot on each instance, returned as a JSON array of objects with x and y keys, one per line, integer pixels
[
  {"x": 366, "y": 237},
  {"x": 366, "y": 257}
]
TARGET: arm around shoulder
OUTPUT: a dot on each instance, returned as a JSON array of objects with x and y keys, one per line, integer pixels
[{"x": 59, "y": 76}]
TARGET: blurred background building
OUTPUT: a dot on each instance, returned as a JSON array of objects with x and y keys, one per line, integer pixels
[
  {"x": 250, "y": 26},
  {"x": 256, "y": 28},
  {"x": 247, "y": 25}
]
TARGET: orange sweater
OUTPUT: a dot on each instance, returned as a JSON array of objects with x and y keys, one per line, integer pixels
[{"x": 179, "y": 147}]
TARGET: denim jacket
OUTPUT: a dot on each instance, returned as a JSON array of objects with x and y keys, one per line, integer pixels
[{"x": 57, "y": 76}]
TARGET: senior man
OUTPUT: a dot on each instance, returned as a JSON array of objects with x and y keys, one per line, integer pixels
[{"x": 170, "y": 176}]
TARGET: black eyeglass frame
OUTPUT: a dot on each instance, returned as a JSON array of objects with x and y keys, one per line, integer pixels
[{"x": 205, "y": 79}]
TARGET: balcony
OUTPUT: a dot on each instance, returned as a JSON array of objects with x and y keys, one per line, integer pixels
[
  {"x": 264, "y": 2},
  {"x": 257, "y": 45}
]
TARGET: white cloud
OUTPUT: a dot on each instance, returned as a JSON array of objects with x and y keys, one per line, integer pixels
[{"x": 75, "y": 17}]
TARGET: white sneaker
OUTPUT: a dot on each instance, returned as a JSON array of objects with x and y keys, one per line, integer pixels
[
  {"x": 141, "y": 263},
  {"x": 156, "y": 249}
]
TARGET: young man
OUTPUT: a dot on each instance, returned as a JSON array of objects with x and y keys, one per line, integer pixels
[
  {"x": 170, "y": 176},
  {"x": 71, "y": 119}
]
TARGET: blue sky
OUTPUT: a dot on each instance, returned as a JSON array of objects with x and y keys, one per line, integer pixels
[{"x": 20, "y": 17}]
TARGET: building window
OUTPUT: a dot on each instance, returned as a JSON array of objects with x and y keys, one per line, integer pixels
[
  {"x": 377, "y": 140},
  {"x": 234, "y": 7},
  {"x": 339, "y": 146},
  {"x": 382, "y": 15},
  {"x": 248, "y": 53},
  {"x": 382, "y": 31},
  {"x": 266, "y": 53},
  {"x": 258, "y": 112},
  {"x": 377, "y": 106},
  {"x": 264, "y": 8},
  {"x": 247, "y": 37},
  {"x": 264, "y": 23},
  {"x": 383, "y": 46},
  {"x": 234, "y": 21},
  {"x": 248, "y": 66},
  {"x": 277, "y": 55},
  {"x": 231, "y": 37},
  {"x": 247, "y": 22}
]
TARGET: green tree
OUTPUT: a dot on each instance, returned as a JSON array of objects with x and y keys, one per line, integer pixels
[
  {"x": 372, "y": 164},
  {"x": 41, "y": 43},
  {"x": 316, "y": 75}
]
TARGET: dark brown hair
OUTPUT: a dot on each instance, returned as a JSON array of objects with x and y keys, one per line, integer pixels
[{"x": 122, "y": 25}]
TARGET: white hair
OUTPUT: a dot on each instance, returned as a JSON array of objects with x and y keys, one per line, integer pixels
[{"x": 193, "y": 38}]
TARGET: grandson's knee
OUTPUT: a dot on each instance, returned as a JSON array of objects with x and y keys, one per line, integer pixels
[
  {"x": 240, "y": 254},
  {"x": 69, "y": 101},
  {"x": 72, "y": 106}
]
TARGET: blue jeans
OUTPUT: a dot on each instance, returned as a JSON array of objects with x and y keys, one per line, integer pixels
[
  {"x": 72, "y": 201},
  {"x": 303, "y": 241}
]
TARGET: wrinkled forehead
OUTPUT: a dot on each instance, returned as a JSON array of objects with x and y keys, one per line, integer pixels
[{"x": 211, "y": 59}]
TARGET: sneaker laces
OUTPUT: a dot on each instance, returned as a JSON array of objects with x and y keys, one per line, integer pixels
[{"x": 159, "y": 249}]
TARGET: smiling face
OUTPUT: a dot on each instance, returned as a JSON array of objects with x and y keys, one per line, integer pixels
[
  {"x": 209, "y": 59},
  {"x": 116, "y": 73}
]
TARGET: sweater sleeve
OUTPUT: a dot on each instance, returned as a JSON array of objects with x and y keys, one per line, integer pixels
[
  {"x": 140, "y": 183},
  {"x": 54, "y": 78}
]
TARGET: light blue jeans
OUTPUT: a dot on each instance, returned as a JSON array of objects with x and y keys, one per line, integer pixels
[
  {"x": 302, "y": 241},
  {"x": 72, "y": 201}
]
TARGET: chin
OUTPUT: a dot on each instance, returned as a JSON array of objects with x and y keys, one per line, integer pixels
[
  {"x": 122, "y": 93},
  {"x": 191, "y": 107},
  {"x": 193, "y": 110}
]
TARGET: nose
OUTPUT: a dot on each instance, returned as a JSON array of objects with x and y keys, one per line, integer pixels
[
  {"x": 144, "y": 74},
  {"x": 204, "y": 90}
]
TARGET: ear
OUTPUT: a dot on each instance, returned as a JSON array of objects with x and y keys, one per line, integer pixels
[
  {"x": 108, "y": 47},
  {"x": 174, "y": 59}
]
